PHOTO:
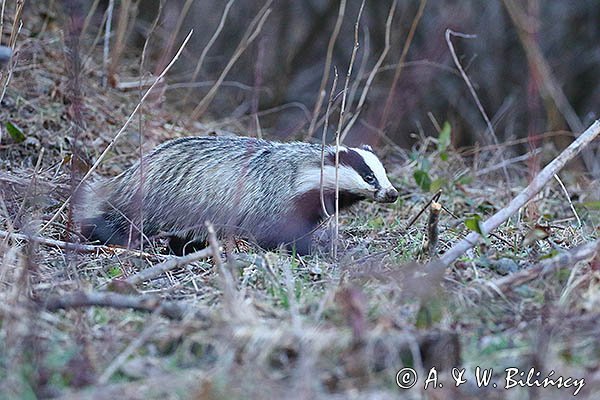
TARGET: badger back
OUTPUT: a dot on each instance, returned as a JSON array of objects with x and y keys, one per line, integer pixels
[{"x": 241, "y": 185}]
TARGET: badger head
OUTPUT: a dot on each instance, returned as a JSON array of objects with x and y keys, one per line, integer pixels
[{"x": 360, "y": 173}]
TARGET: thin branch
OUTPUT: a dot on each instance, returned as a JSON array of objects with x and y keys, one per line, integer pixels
[
  {"x": 208, "y": 46},
  {"x": 397, "y": 72},
  {"x": 79, "y": 299},
  {"x": 522, "y": 198},
  {"x": 84, "y": 248},
  {"x": 374, "y": 71},
  {"x": 564, "y": 189},
  {"x": 159, "y": 269},
  {"x": 106, "y": 48},
  {"x": 326, "y": 68},
  {"x": 550, "y": 88},
  {"x": 251, "y": 34},
  {"x": 507, "y": 162},
  {"x": 545, "y": 267},
  {"x": 490, "y": 127},
  {"x": 339, "y": 129},
  {"x": 324, "y": 143},
  {"x": 51, "y": 242},
  {"x": 432, "y": 228},
  {"x": 127, "y": 352}
]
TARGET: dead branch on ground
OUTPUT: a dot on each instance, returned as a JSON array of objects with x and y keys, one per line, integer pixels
[
  {"x": 522, "y": 198},
  {"x": 545, "y": 267},
  {"x": 158, "y": 269},
  {"x": 79, "y": 299}
]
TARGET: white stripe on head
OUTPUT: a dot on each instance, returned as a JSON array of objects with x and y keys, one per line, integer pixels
[
  {"x": 374, "y": 163},
  {"x": 348, "y": 179}
]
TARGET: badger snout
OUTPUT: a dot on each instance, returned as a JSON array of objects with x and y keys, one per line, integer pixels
[{"x": 388, "y": 195}]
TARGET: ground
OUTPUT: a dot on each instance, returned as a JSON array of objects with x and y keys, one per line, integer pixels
[{"x": 270, "y": 324}]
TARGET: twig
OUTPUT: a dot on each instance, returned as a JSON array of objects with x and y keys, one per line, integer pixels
[
  {"x": 374, "y": 71},
  {"x": 324, "y": 143},
  {"x": 407, "y": 43},
  {"x": 432, "y": 227},
  {"x": 435, "y": 198},
  {"x": 564, "y": 189},
  {"x": 17, "y": 24},
  {"x": 120, "y": 132},
  {"x": 213, "y": 244},
  {"x": 551, "y": 88},
  {"x": 566, "y": 259},
  {"x": 326, "y": 68},
  {"x": 169, "y": 309},
  {"x": 174, "y": 32},
  {"x": 505, "y": 163},
  {"x": 158, "y": 269},
  {"x": 84, "y": 248},
  {"x": 12, "y": 43},
  {"x": 91, "y": 13},
  {"x": 251, "y": 34},
  {"x": 123, "y": 21},
  {"x": 490, "y": 128},
  {"x": 51, "y": 242},
  {"x": 339, "y": 129},
  {"x": 208, "y": 46},
  {"x": 2, "y": 20},
  {"x": 106, "y": 47},
  {"x": 522, "y": 198},
  {"x": 140, "y": 194},
  {"x": 229, "y": 288}
]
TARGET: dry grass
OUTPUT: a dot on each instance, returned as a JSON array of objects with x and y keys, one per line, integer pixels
[{"x": 268, "y": 325}]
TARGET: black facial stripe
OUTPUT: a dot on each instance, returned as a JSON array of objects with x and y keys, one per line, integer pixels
[{"x": 352, "y": 159}]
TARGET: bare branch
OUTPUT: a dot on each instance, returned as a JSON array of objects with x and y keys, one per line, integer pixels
[
  {"x": 522, "y": 198},
  {"x": 545, "y": 267},
  {"x": 326, "y": 68},
  {"x": 158, "y": 269},
  {"x": 251, "y": 34},
  {"x": 168, "y": 309},
  {"x": 465, "y": 77}
]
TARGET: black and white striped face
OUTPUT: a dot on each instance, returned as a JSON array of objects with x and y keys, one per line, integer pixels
[
  {"x": 364, "y": 174},
  {"x": 360, "y": 173}
]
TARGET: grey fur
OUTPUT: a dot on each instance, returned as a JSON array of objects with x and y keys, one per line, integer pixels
[{"x": 264, "y": 191}]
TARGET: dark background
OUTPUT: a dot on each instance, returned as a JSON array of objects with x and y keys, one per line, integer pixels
[{"x": 284, "y": 65}]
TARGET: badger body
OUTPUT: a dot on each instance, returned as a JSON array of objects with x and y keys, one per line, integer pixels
[{"x": 267, "y": 192}]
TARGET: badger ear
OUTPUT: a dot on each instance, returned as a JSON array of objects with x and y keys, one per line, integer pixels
[{"x": 367, "y": 148}]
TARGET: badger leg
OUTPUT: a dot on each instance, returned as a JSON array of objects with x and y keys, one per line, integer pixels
[{"x": 104, "y": 230}]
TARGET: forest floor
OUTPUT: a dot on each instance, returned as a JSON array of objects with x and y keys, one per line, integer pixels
[{"x": 272, "y": 325}]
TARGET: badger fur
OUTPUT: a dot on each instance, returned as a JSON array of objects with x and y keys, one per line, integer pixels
[{"x": 267, "y": 192}]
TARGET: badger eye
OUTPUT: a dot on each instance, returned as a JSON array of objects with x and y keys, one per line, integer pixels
[{"x": 370, "y": 179}]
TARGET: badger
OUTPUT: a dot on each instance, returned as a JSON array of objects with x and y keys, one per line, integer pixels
[{"x": 266, "y": 192}]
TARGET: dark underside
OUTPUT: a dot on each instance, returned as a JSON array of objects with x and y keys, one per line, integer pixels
[{"x": 293, "y": 230}]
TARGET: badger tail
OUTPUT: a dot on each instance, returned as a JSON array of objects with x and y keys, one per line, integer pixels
[{"x": 95, "y": 220}]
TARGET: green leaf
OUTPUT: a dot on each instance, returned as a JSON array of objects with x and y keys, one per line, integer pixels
[
  {"x": 15, "y": 133},
  {"x": 437, "y": 184},
  {"x": 422, "y": 179},
  {"x": 473, "y": 223},
  {"x": 444, "y": 137}
]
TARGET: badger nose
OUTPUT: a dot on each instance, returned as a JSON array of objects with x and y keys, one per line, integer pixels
[{"x": 391, "y": 195}]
